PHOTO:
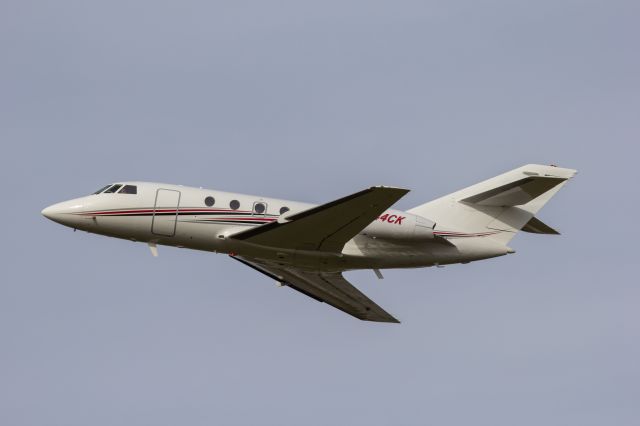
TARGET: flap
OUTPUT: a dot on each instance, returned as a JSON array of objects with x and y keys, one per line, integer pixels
[
  {"x": 328, "y": 287},
  {"x": 327, "y": 227}
]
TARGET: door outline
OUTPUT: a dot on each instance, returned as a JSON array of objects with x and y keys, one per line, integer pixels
[{"x": 175, "y": 218}]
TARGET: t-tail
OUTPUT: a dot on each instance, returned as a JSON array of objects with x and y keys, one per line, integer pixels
[{"x": 501, "y": 206}]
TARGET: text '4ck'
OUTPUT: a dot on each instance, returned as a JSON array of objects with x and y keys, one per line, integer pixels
[{"x": 392, "y": 218}]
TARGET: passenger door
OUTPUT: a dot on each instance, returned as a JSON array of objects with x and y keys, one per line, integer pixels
[{"x": 165, "y": 212}]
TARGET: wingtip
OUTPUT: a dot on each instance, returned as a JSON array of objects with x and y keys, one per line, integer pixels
[
  {"x": 391, "y": 188},
  {"x": 388, "y": 319}
]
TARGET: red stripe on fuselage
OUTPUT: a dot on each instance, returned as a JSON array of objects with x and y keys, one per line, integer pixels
[
  {"x": 251, "y": 218},
  {"x": 140, "y": 211}
]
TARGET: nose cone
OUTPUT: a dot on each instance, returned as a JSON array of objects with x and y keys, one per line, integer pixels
[
  {"x": 61, "y": 213},
  {"x": 65, "y": 213},
  {"x": 49, "y": 212}
]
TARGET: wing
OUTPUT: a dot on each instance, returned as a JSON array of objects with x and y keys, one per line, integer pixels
[
  {"x": 328, "y": 287},
  {"x": 327, "y": 227}
]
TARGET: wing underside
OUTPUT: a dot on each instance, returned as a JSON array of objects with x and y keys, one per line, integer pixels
[{"x": 328, "y": 287}]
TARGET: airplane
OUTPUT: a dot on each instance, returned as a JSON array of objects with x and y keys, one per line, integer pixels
[{"x": 308, "y": 247}]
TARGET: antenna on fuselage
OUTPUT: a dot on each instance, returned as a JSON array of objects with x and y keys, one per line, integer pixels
[{"x": 154, "y": 249}]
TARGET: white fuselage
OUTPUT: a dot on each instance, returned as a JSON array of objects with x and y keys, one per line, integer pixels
[{"x": 184, "y": 217}]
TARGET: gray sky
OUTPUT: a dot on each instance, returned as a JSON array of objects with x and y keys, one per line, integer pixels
[{"x": 312, "y": 101}]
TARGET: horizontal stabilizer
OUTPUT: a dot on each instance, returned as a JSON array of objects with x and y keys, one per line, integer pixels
[
  {"x": 515, "y": 193},
  {"x": 536, "y": 226}
]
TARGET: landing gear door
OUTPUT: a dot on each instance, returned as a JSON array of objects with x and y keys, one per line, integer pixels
[{"x": 165, "y": 212}]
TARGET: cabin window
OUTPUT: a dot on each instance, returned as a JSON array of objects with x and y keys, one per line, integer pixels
[
  {"x": 113, "y": 189},
  {"x": 129, "y": 189},
  {"x": 259, "y": 208},
  {"x": 102, "y": 189},
  {"x": 283, "y": 210},
  {"x": 234, "y": 204},
  {"x": 209, "y": 201}
]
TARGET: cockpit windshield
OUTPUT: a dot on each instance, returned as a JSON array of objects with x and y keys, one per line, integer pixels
[
  {"x": 119, "y": 188},
  {"x": 102, "y": 189},
  {"x": 113, "y": 189}
]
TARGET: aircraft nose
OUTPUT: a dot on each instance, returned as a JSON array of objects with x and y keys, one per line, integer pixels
[
  {"x": 64, "y": 213},
  {"x": 49, "y": 212},
  {"x": 56, "y": 212}
]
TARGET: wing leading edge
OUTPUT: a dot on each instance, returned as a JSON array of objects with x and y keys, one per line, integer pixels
[{"x": 329, "y": 287}]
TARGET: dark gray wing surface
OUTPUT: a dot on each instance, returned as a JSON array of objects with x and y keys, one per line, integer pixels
[
  {"x": 327, "y": 227},
  {"x": 328, "y": 287}
]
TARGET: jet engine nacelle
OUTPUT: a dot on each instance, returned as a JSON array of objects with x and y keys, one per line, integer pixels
[{"x": 397, "y": 225}]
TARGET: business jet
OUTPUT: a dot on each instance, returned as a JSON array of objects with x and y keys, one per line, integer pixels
[{"x": 307, "y": 247}]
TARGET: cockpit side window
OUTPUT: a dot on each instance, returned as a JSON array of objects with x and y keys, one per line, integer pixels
[
  {"x": 113, "y": 189},
  {"x": 129, "y": 189},
  {"x": 102, "y": 189}
]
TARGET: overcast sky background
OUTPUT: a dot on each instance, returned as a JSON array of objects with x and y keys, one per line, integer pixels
[{"x": 312, "y": 101}]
